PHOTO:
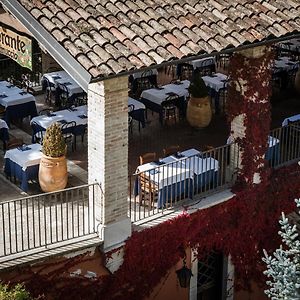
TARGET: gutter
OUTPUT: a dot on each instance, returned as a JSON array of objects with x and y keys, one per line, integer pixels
[
  {"x": 194, "y": 57},
  {"x": 58, "y": 52}
]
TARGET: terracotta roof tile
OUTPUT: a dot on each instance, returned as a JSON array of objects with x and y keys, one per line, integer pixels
[{"x": 113, "y": 36}]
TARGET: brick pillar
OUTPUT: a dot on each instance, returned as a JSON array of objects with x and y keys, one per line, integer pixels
[
  {"x": 249, "y": 109},
  {"x": 108, "y": 155}
]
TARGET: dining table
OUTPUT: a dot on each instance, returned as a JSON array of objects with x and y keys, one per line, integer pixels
[
  {"x": 74, "y": 114},
  {"x": 18, "y": 103},
  {"x": 62, "y": 77},
  {"x": 138, "y": 111},
  {"x": 4, "y": 135},
  {"x": 154, "y": 97},
  {"x": 22, "y": 163},
  {"x": 180, "y": 175}
]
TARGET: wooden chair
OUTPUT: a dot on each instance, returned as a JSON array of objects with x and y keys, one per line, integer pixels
[
  {"x": 37, "y": 133},
  {"x": 148, "y": 157},
  {"x": 14, "y": 143},
  {"x": 44, "y": 112},
  {"x": 69, "y": 134},
  {"x": 170, "y": 109},
  {"x": 171, "y": 150},
  {"x": 148, "y": 191}
]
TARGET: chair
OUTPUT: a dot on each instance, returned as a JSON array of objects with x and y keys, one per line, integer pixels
[
  {"x": 49, "y": 89},
  {"x": 222, "y": 99},
  {"x": 80, "y": 99},
  {"x": 148, "y": 157},
  {"x": 171, "y": 150},
  {"x": 62, "y": 98},
  {"x": 169, "y": 109},
  {"x": 148, "y": 191},
  {"x": 2, "y": 112},
  {"x": 185, "y": 71},
  {"x": 130, "y": 119},
  {"x": 37, "y": 133},
  {"x": 141, "y": 84},
  {"x": 14, "y": 143},
  {"x": 44, "y": 112},
  {"x": 68, "y": 132}
]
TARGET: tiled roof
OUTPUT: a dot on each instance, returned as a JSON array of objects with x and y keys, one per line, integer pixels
[{"x": 112, "y": 36}]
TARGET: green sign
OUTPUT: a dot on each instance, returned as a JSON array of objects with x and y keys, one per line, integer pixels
[{"x": 16, "y": 46}]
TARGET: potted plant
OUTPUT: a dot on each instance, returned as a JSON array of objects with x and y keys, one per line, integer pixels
[
  {"x": 199, "y": 111},
  {"x": 53, "y": 173}
]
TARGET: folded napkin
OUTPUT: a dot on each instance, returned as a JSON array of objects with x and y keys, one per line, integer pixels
[
  {"x": 62, "y": 121},
  {"x": 82, "y": 116},
  {"x": 67, "y": 83},
  {"x": 177, "y": 82},
  {"x": 72, "y": 109},
  {"x": 171, "y": 94},
  {"x": 23, "y": 93},
  {"x": 24, "y": 148},
  {"x": 159, "y": 88},
  {"x": 10, "y": 86},
  {"x": 154, "y": 171},
  {"x": 56, "y": 77},
  {"x": 178, "y": 155},
  {"x": 3, "y": 96},
  {"x": 51, "y": 115}
]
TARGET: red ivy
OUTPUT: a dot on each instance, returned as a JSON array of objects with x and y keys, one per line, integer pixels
[
  {"x": 241, "y": 227},
  {"x": 249, "y": 93}
]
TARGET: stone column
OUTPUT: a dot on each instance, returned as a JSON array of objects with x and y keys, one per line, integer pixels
[
  {"x": 108, "y": 156},
  {"x": 249, "y": 109}
]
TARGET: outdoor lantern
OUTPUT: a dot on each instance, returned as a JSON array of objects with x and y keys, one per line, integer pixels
[{"x": 184, "y": 275}]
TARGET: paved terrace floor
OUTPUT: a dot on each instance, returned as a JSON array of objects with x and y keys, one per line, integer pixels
[{"x": 153, "y": 138}]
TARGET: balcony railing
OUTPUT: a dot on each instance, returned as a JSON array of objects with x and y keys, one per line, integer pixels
[
  {"x": 179, "y": 178},
  {"x": 45, "y": 219},
  {"x": 167, "y": 183},
  {"x": 285, "y": 145}
]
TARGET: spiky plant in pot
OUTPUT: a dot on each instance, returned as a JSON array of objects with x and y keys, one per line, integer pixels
[{"x": 53, "y": 142}]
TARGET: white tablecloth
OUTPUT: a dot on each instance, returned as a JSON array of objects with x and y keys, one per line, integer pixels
[
  {"x": 272, "y": 141},
  {"x": 67, "y": 115},
  {"x": 285, "y": 64},
  {"x": 178, "y": 169},
  {"x": 293, "y": 44},
  {"x": 292, "y": 119},
  {"x": 139, "y": 74},
  {"x": 216, "y": 82},
  {"x": 3, "y": 124},
  {"x": 13, "y": 95},
  {"x": 26, "y": 158},
  {"x": 137, "y": 104},
  {"x": 203, "y": 62},
  {"x": 63, "y": 77},
  {"x": 157, "y": 96}
]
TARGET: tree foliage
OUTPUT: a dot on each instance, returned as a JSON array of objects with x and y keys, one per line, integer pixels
[{"x": 283, "y": 268}]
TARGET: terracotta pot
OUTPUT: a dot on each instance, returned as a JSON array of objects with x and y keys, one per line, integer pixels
[
  {"x": 53, "y": 174},
  {"x": 297, "y": 81},
  {"x": 199, "y": 112}
]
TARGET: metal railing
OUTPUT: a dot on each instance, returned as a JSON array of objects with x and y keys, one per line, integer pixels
[
  {"x": 284, "y": 145},
  {"x": 176, "y": 178},
  {"x": 37, "y": 221},
  {"x": 164, "y": 184}
]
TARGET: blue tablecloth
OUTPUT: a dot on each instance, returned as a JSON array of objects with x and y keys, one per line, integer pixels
[
  {"x": 139, "y": 115},
  {"x": 12, "y": 169},
  {"x": 4, "y": 136},
  {"x": 183, "y": 189},
  {"x": 20, "y": 111},
  {"x": 273, "y": 154}
]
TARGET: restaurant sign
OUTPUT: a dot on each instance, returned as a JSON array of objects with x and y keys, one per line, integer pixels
[{"x": 16, "y": 46}]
